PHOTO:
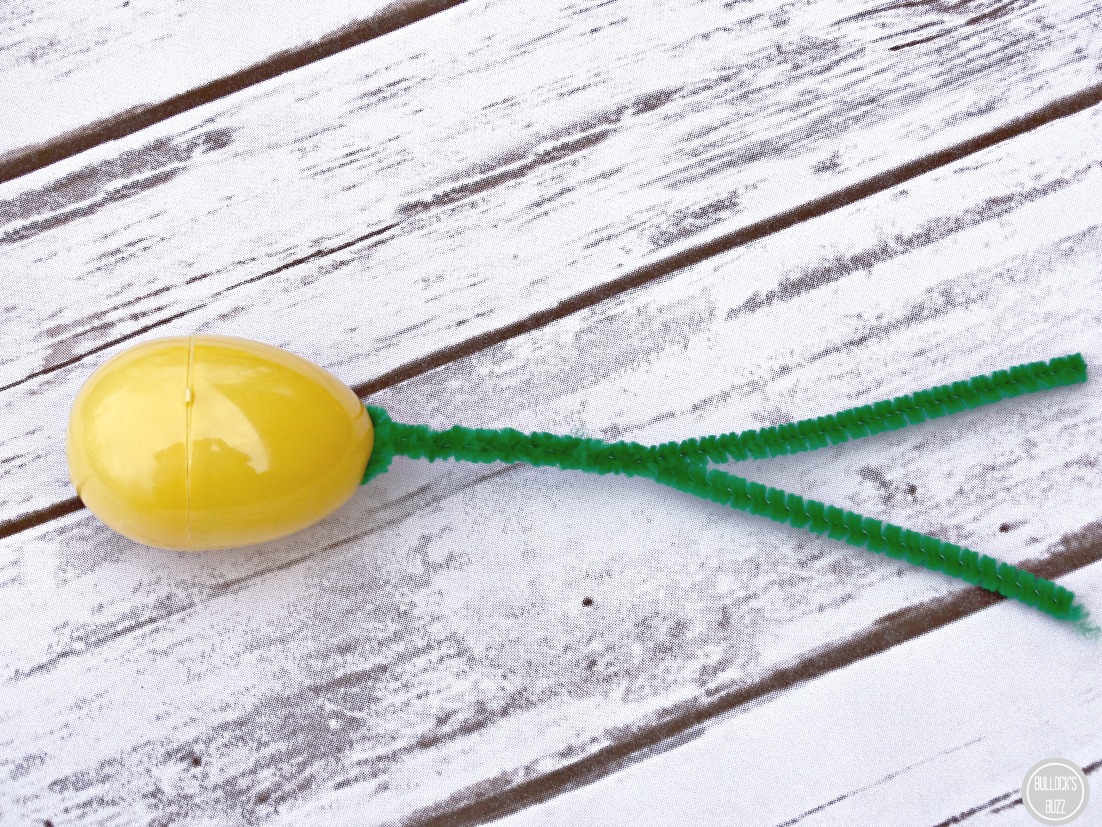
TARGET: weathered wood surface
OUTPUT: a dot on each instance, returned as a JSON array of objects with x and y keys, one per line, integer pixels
[
  {"x": 428, "y": 649},
  {"x": 463, "y": 176},
  {"x": 938, "y": 731},
  {"x": 77, "y": 67}
]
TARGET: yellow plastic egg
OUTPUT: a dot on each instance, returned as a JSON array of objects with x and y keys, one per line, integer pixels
[{"x": 204, "y": 442}]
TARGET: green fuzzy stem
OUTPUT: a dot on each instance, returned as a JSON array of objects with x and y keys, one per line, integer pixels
[
  {"x": 887, "y": 415},
  {"x": 682, "y": 465}
]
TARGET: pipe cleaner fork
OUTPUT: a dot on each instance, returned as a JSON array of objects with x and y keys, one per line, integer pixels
[
  {"x": 683, "y": 466},
  {"x": 208, "y": 442}
]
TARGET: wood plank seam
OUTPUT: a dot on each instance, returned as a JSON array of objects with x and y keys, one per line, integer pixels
[
  {"x": 1061, "y": 108},
  {"x": 314, "y": 256},
  {"x": 1080, "y": 549},
  {"x": 389, "y": 19},
  {"x": 996, "y": 805}
]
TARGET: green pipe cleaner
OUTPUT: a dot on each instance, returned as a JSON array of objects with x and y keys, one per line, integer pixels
[{"x": 683, "y": 466}]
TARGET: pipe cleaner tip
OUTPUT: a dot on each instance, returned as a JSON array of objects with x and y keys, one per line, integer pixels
[
  {"x": 1073, "y": 365},
  {"x": 1085, "y": 625}
]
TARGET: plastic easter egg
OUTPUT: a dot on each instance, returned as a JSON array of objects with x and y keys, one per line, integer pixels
[{"x": 204, "y": 442}]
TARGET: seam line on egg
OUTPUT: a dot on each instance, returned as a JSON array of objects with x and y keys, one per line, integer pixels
[{"x": 189, "y": 399}]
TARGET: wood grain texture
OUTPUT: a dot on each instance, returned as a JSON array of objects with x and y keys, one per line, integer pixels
[
  {"x": 430, "y": 647},
  {"x": 420, "y": 193},
  {"x": 79, "y": 74},
  {"x": 937, "y": 732}
]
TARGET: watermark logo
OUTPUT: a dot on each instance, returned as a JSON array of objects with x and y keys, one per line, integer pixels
[{"x": 1055, "y": 791}]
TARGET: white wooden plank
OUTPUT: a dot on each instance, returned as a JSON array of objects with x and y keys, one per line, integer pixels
[
  {"x": 509, "y": 181},
  {"x": 67, "y": 65},
  {"x": 940, "y": 730},
  {"x": 428, "y": 646}
]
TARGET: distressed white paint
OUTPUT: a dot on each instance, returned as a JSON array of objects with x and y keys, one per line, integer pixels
[
  {"x": 431, "y": 635},
  {"x": 942, "y": 727},
  {"x": 591, "y": 138},
  {"x": 65, "y": 65}
]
